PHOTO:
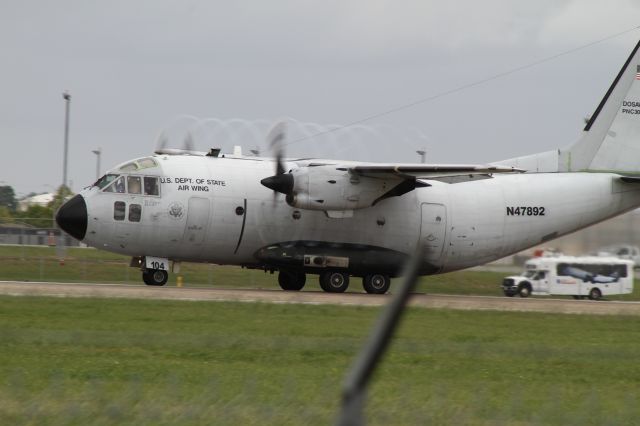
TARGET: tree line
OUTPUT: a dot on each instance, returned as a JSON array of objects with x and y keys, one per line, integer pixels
[{"x": 36, "y": 216}]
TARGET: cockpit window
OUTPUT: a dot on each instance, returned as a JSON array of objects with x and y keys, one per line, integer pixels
[
  {"x": 151, "y": 185},
  {"x": 143, "y": 163},
  {"x": 134, "y": 185},
  {"x": 129, "y": 167},
  {"x": 146, "y": 163},
  {"x": 105, "y": 180},
  {"x": 117, "y": 186}
]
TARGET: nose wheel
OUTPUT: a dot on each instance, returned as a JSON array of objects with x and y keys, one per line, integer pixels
[{"x": 155, "y": 277}]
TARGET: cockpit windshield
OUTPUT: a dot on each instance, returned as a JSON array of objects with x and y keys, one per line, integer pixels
[
  {"x": 117, "y": 186},
  {"x": 105, "y": 180},
  {"x": 137, "y": 185}
]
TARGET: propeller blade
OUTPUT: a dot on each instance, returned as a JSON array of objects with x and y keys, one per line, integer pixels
[
  {"x": 163, "y": 141},
  {"x": 187, "y": 143},
  {"x": 276, "y": 138}
]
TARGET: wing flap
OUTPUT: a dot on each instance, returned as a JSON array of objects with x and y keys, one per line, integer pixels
[{"x": 430, "y": 171}]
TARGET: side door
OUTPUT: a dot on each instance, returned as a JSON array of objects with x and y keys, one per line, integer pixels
[
  {"x": 197, "y": 221},
  {"x": 542, "y": 282},
  {"x": 433, "y": 231}
]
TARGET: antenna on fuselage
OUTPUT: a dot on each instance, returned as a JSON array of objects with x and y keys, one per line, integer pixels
[{"x": 214, "y": 152}]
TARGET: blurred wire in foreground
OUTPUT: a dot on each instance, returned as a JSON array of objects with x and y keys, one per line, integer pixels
[{"x": 355, "y": 385}]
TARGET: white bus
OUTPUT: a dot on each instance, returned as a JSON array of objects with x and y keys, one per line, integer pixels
[{"x": 593, "y": 277}]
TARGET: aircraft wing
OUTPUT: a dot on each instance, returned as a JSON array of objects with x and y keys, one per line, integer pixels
[{"x": 430, "y": 171}]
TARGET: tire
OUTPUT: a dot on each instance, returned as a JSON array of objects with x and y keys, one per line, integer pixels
[
  {"x": 595, "y": 294},
  {"x": 376, "y": 283},
  {"x": 291, "y": 280},
  {"x": 524, "y": 290},
  {"x": 155, "y": 277},
  {"x": 334, "y": 282}
]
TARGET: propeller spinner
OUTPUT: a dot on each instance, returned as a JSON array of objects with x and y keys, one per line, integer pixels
[{"x": 281, "y": 182}]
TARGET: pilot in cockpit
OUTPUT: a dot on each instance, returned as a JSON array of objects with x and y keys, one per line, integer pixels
[
  {"x": 134, "y": 185},
  {"x": 120, "y": 186}
]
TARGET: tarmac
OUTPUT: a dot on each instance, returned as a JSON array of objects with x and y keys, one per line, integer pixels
[{"x": 431, "y": 301}]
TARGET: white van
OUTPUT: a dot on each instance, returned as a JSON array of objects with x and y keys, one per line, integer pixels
[{"x": 572, "y": 276}]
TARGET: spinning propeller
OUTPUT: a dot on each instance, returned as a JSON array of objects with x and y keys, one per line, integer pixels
[
  {"x": 280, "y": 182},
  {"x": 188, "y": 146}
]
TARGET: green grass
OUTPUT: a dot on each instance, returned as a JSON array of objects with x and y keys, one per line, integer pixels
[{"x": 87, "y": 361}]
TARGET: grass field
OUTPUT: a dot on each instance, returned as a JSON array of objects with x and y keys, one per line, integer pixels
[
  {"x": 28, "y": 263},
  {"x": 89, "y": 361}
]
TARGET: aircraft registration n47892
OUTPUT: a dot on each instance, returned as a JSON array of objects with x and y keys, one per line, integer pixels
[{"x": 339, "y": 219}]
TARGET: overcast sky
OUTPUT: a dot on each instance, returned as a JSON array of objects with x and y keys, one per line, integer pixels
[{"x": 132, "y": 67}]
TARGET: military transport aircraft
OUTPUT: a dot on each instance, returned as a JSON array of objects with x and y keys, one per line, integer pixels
[{"x": 340, "y": 219}]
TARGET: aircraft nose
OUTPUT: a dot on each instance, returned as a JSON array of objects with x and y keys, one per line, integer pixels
[{"x": 72, "y": 217}]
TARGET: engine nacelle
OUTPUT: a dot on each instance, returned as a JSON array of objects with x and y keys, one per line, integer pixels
[{"x": 334, "y": 188}]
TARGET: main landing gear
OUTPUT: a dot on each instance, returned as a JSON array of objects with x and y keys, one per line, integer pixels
[
  {"x": 333, "y": 281},
  {"x": 376, "y": 283},
  {"x": 291, "y": 280},
  {"x": 155, "y": 277}
]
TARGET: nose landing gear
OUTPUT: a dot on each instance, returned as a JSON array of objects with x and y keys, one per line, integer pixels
[{"x": 155, "y": 277}]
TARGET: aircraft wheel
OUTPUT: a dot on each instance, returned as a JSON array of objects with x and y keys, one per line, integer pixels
[
  {"x": 524, "y": 290},
  {"x": 376, "y": 283},
  {"x": 291, "y": 280},
  {"x": 595, "y": 294},
  {"x": 334, "y": 282},
  {"x": 155, "y": 277}
]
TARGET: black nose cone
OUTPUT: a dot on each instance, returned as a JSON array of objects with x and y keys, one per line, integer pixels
[
  {"x": 282, "y": 183},
  {"x": 72, "y": 217}
]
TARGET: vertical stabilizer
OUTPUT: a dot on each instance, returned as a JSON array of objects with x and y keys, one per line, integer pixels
[{"x": 611, "y": 139}]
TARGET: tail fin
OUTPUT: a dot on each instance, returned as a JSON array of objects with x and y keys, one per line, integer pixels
[{"x": 611, "y": 139}]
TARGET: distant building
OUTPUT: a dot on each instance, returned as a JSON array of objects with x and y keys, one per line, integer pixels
[{"x": 35, "y": 200}]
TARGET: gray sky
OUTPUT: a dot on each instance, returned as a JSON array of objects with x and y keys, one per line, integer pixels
[{"x": 132, "y": 67}]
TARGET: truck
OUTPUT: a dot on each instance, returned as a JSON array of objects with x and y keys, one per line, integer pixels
[{"x": 580, "y": 277}]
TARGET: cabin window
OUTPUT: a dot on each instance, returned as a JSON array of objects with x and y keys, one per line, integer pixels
[
  {"x": 119, "y": 208},
  {"x": 151, "y": 186},
  {"x": 117, "y": 186},
  {"x": 135, "y": 212},
  {"x": 134, "y": 185},
  {"x": 620, "y": 270}
]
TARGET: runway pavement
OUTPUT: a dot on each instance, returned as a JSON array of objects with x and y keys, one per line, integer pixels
[{"x": 565, "y": 306}]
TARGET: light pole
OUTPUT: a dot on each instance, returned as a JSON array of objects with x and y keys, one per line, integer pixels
[
  {"x": 97, "y": 152},
  {"x": 423, "y": 155},
  {"x": 67, "y": 100}
]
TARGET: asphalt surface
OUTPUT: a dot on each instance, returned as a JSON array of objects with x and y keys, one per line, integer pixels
[{"x": 564, "y": 306}]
